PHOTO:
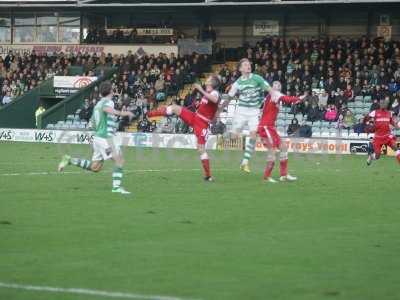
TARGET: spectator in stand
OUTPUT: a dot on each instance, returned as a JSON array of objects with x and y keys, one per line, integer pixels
[
  {"x": 375, "y": 105},
  {"x": 340, "y": 99},
  {"x": 359, "y": 127},
  {"x": 225, "y": 74},
  {"x": 348, "y": 120},
  {"x": 305, "y": 131},
  {"x": 396, "y": 106},
  {"x": 323, "y": 98},
  {"x": 313, "y": 113},
  {"x": 160, "y": 88},
  {"x": 348, "y": 93},
  {"x": 293, "y": 128},
  {"x": 151, "y": 98},
  {"x": 331, "y": 113},
  {"x": 340, "y": 123},
  {"x": 6, "y": 98}
]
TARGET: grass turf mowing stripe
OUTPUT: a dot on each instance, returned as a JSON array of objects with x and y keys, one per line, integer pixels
[{"x": 90, "y": 292}]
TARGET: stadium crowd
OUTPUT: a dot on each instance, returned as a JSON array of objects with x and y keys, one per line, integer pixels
[
  {"x": 332, "y": 72},
  {"x": 21, "y": 73},
  {"x": 141, "y": 83}
]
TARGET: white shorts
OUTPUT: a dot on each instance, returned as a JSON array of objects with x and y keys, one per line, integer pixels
[
  {"x": 104, "y": 149},
  {"x": 245, "y": 117}
]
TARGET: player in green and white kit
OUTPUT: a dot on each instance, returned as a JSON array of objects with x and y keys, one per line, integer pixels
[
  {"x": 105, "y": 144},
  {"x": 250, "y": 89}
]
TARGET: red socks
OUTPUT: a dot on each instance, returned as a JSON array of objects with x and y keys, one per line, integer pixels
[
  {"x": 268, "y": 169},
  {"x": 206, "y": 164},
  {"x": 206, "y": 167},
  {"x": 159, "y": 112},
  {"x": 284, "y": 167}
]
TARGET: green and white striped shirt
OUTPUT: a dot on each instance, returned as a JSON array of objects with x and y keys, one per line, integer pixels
[
  {"x": 250, "y": 91},
  {"x": 105, "y": 124}
]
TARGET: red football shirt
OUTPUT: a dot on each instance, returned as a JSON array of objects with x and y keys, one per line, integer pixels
[
  {"x": 383, "y": 119},
  {"x": 271, "y": 107},
  {"x": 207, "y": 109}
]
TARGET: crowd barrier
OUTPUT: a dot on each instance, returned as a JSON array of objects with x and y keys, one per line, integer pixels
[{"x": 185, "y": 141}]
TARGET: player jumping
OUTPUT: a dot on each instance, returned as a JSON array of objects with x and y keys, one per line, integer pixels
[
  {"x": 199, "y": 120},
  {"x": 250, "y": 89},
  {"x": 269, "y": 135},
  {"x": 105, "y": 145},
  {"x": 382, "y": 120}
]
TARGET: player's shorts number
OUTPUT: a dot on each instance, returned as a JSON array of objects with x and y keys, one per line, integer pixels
[{"x": 204, "y": 133}]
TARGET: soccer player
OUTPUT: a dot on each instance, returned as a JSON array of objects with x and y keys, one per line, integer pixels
[
  {"x": 269, "y": 135},
  {"x": 105, "y": 145},
  {"x": 382, "y": 120},
  {"x": 250, "y": 89},
  {"x": 199, "y": 120}
]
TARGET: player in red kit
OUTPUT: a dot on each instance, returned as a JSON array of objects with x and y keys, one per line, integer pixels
[
  {"x": 383, "y": 121},
  {"x": 199, "y": 120},
  {"x": 269, "y": 135}
]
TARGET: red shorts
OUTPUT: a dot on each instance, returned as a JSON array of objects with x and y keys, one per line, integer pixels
[
  {"x": 378, "y": 142},
  {"x": 269, "y": 137},
  {"x": 200, "y": 126}
]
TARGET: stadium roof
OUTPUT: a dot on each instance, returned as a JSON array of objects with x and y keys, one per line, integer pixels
[{"x": 127, "y": 3}]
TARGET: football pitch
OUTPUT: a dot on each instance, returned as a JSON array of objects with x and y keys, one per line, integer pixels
[{"x": 333, "y": 234}]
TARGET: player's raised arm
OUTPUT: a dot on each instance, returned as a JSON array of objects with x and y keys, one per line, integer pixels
[
  {"x": 290, "y": 99},
  {"x": 277, "y": 96},
  {"x": 233, "y": 91},
  {"x": 112, "y": 111}
]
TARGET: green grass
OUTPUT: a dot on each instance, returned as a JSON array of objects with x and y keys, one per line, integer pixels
[{"x": 334, "y": 234}]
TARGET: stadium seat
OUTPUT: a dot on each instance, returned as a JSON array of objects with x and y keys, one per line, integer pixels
[
  {"x": 359, "y": 104},
  {"x": 280, "y": 123},
  {"x": 325, "y": 125},
  {"x": 325, "y": 134},
  {"x": 367, "y": 99},
  {"x": 318, "y": 124},
  {"x": 351, "y": 105},
  {"x": 316, "y": 133},
  {"x": 353, "y": 135},
  {"x": 358, "y": 98}
]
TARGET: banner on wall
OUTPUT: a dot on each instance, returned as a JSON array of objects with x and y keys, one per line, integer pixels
[
  {"x": 90, "y": 49},
  {"x": 313, "y": 145},
  {"x": 142, "y": 31},
  {"x": 67, "y": 85},
  {"x": 154, "y": 31},
  {"x": 184, "y": 141},
  {"x": 140, "y": 140},
  {"x": 265, "y": 27}
]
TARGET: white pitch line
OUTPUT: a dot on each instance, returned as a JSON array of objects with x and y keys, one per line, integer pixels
[
  {"x": 39, "y": 173},
  {"x": 90, "y": 292},
  {"x": 82, "y": 172}
]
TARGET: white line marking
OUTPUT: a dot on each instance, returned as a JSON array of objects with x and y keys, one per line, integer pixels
[
  {"x": 126, "y": 171},
  {"x": 80, "y": 291}
]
